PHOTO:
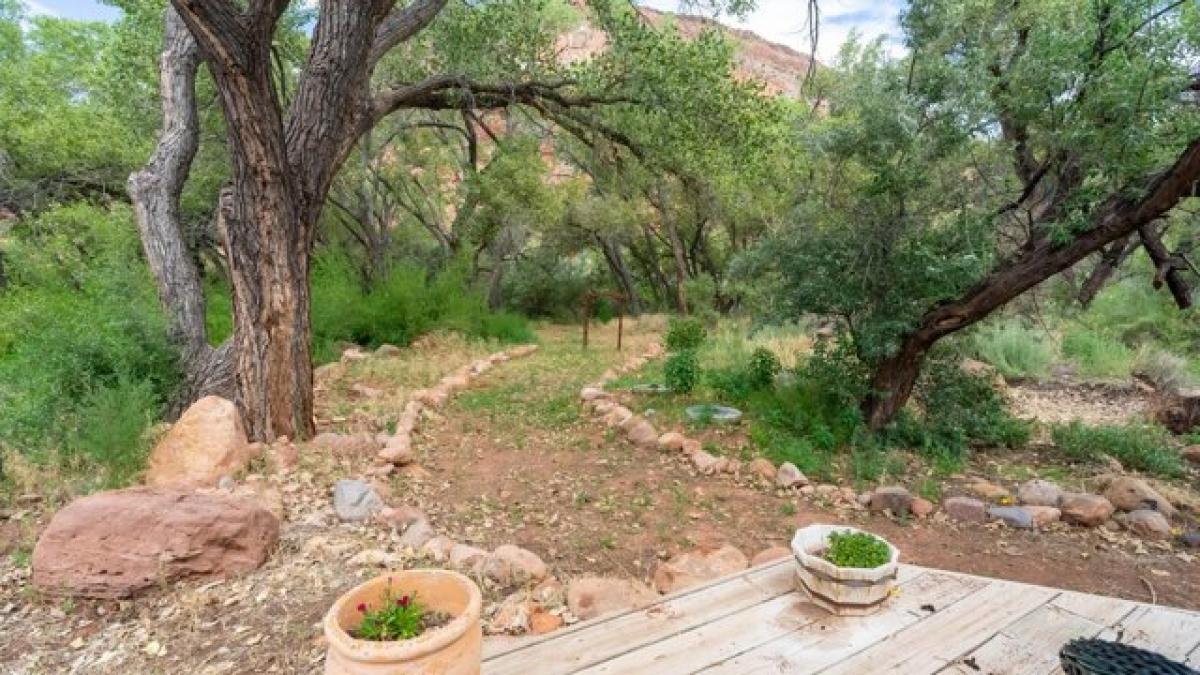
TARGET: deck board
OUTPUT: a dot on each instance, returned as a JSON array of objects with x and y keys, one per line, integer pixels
[{"x": 943, "y": 622}]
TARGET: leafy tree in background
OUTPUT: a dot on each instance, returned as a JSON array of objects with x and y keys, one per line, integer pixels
[{"x": 1015, "y": 140}]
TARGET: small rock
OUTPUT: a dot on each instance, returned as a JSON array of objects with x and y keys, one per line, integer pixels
[
  {"x": 617, "y": 416},
  {"x": 542, "y": 622},
  {"x": 352, "y": 354},
  {"x": 788, "y": 476},
  {"x": 438, "y": 548},
  {"x": 1147, "y": 524},
  {"x": 387, "y": 351},
  {"x": 763, "y": 468},
  {"x": 894, "y": 498},
  {"x": 696, "y": 567},
  {"x": 1190, "y": 539},
  {"x": 672, "y": 440},
  {"x": 464, "y": 556},
  {"x": 769, "y": 554},
  {"x": 549, "y": 593},
  {"x": 989, "y": 491},
  {"x": 509, "y": 565},
  {"x": 590, "y": 597},
  {"x": 921, "y": 507},
  {"x": 398, "y": 450},
  {"x": 1039, "y": 493},
  {"x": 592, "y": 394},
  {"x": 372, "y": 557},
  {"x": 227, "y": 483},
  {"x": 642, "y": 433},
  {"x": 512, "y": 616},
  {"x": 355, "y": 500},
  {"x": 705, "y": 462},
  {"x": 1085, "y": 509},
  {"x": 691, "y": 446},
  {"x": 965, "y": 509},
  {"x": 1013, "y": 516},
  {"x": 1133, "y": 494},
  {"x": 416, "y": 534},
  {"x": 1043, "y": 515}
]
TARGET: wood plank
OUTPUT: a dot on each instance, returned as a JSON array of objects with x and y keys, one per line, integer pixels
[
  {"x": 1171, "y": 632},
  {"x": 937, "y": 641},
  {"x": 1029, "y": 646},
  {"x": 607, "y": 637},
  {"x": 716, "y": 640},
  {"x": 1193, "y": 661},
  {"x": 1101, "y": 609},
  {"x": 833, "y": 638}
]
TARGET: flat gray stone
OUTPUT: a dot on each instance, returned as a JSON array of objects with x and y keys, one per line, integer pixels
[
  {"x": 355, "y": 500},
  {"x": 1013, "y": 516}
]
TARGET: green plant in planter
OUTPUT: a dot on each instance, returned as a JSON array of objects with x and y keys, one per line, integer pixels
[
  {"x": 398, "y": 618},
  {"x": 682, "y": 371},
  {"x": 685, "y": 335},
  {"x": 857, "y": 549}
]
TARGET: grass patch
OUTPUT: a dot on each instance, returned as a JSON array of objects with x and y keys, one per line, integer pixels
[
  {"x": 1016, "y": 350},
  {"x": 1096, "y": 354},
  {"x": 1141, "y": 447}
]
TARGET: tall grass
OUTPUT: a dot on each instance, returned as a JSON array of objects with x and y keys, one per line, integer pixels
[
  {"x": 1142, "y": 447},
  {"x": 1097, "y": 354},
  {"x": 1015, "y": 349}
]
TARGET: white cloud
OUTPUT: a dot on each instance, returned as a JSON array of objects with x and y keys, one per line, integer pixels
[
  {"x": 785, "y": 22},
  {"x": 38, "y": 9}
]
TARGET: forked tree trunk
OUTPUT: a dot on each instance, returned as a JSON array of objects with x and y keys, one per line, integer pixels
[
  {"x": 1110, "y": 260},
  {"x": 155, "y": 191},
  {"x": 893, "y": 379}
]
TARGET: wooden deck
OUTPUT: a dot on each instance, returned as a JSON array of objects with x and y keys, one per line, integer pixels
[{"x": 939, "y": 622}]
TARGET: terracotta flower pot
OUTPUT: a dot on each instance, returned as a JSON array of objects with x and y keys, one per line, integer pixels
[
  {"x": 845, "y": 591},
  {"x": 452, "y": 649}
]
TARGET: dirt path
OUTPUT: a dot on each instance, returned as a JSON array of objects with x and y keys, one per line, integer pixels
[{"x": 517, "y": 461}]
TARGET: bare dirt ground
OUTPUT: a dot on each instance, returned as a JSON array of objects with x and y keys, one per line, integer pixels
[{"x": 511, "y": 460}]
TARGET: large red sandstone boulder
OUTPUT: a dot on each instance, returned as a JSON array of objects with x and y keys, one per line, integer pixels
[
  {"x": 696, "y": 567},
  {"x": 207, "y": 442},
  {"x": 114, "y": 544}
]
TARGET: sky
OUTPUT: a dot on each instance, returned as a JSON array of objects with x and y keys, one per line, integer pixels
[{"x": 781, "y": 21}]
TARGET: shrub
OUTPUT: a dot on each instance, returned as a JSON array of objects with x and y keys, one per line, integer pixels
[
  {"x": 857, "y": 549},
  {"x": 963, "y": 410},
  {"x": 1097, "y": 354},
  {"x": 1167, "y": 371},
  {"x": 84, "y": 358},
  {"x": 398, "y": 309},
  {"x": 1017, "y": 351},
  {"x": 685, "y": 334},
  {"x": 1137, "y": 446},
  {"x": 682, "y": 371},
  {"x": 764, "y": 366}
]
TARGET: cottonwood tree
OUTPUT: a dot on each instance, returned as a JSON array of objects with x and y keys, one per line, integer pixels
[
  {"x": 284, "y": 153},
  {"x": 1014, "y": 141}
]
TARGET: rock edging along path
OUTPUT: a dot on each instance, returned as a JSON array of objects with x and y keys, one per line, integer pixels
[
  {"x": 397, "y": 447},
  {"x": 1039, "y": 505}
]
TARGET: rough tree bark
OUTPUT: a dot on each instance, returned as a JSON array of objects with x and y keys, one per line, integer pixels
[
  {"x": 1111, "y": 259},
  {"x": 283, "y": 164},
  {"x": 155, "y": 192},
  {"x": 893, "y": 378},
  {"x": 1166, "y": 267}
]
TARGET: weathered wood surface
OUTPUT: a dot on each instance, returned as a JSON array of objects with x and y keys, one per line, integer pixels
[{"x": 938, "y": 622}]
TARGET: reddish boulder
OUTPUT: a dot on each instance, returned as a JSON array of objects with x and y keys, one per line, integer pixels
[
  {"x": 590, "y": 597},
  {"x": 1084, "y": 509},
  {"x": 114, "y": 544},
  {"x": 696, "y": 567}
]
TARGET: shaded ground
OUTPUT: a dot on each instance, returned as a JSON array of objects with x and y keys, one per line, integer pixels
[{"x": 511, "y": 460}]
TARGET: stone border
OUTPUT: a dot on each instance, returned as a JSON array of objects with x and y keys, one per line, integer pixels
[{"x": 397, "y": 448}]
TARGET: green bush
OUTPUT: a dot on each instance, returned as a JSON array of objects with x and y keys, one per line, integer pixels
[
  {"x": 960, "y": 411},
  {"x": 764, "y": 366},
  {"x": 84, "y": 359},
  {"x": 685, "y": 334},
  {"x": 1097, "y": 354},
  {"x": 682, "y": 371},
  {"x": 1017, "y": 351},
  {"x": 857, "y": 549},
  {"x": 399, "y": 308},
  {"x": 1141, "y": 447}
]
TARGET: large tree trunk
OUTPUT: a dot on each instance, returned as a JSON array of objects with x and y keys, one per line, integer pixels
[
  {"x": 892, "y": 379},
  {"x": 155, "y": 191},
  {"x": 616, "y": 264}
]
